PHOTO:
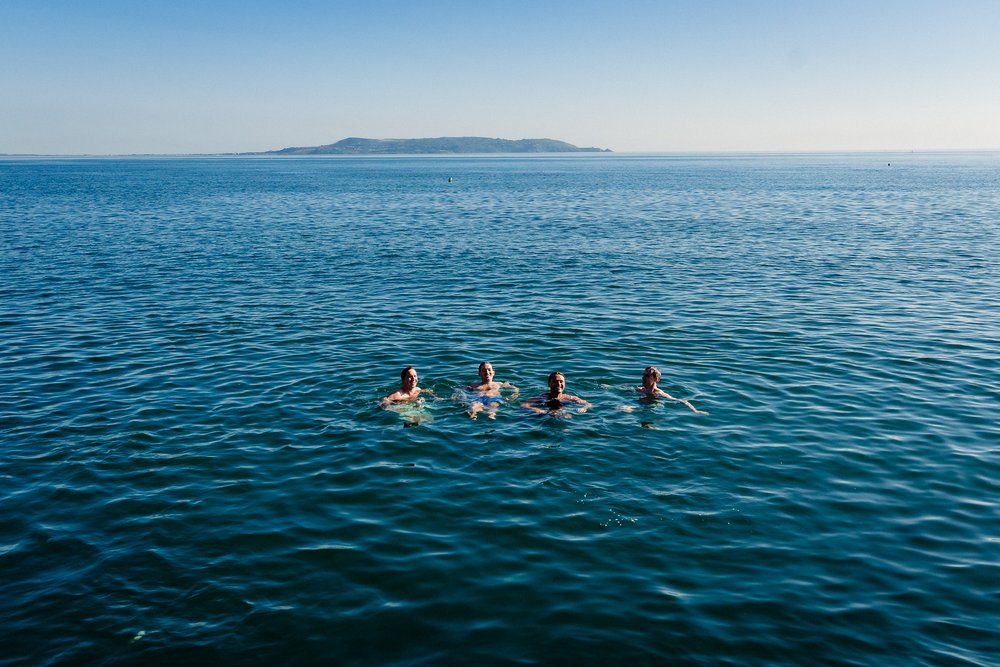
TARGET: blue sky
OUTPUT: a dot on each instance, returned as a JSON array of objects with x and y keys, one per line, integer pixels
[{"x": 179, "y": 76}]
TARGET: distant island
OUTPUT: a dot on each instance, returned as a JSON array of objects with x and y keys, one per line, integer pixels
[{"x": 440, "y": 145}]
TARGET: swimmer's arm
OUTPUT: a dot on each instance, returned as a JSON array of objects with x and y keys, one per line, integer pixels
[
  {"x": 516, "y": 391},
  {"x": 388, "y": 400},
  {"x": 585, "y": 404},
  {"x": 429, "y": 393},
  {"x": 680, "y": 400},
  {"x": 532, "y": 404}
]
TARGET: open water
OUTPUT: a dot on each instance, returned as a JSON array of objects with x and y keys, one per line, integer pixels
[{"x": 194, "y": 467}]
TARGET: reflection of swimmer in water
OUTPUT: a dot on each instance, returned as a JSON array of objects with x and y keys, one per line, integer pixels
[
  {"x": 487, "y": 393},
  {"x": 554, "y": 399},
  {"x": 650, "y": 377}
]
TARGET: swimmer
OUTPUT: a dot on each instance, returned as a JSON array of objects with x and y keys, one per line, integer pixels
[
  {"x": 554, "y": 399},
  {"x": 487, "y": 396},
  {"x": 650, "y": 376},
  {"x": 409, "y": 391}
]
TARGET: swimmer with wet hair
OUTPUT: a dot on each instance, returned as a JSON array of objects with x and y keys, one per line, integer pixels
[
  {"x": 650, "y": 377},
  {"x": 487, "y": 395},
  {"x": 555, "y": 399},
  {"x": 408, "y": 391}
]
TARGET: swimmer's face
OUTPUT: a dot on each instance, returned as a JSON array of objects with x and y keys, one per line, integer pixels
[
  {"x": 650, "y": 377},
  {"x": 486, "y": 372},
  {"x": 557, "y": 383},
  {"x": 410, "y": 379}
]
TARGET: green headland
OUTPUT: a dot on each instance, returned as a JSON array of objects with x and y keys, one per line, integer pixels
[{"x": 440, "y": 145}]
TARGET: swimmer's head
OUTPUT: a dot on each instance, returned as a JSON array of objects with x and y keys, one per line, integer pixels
[
  {"x": 486, "y": 372},
  {"x": 409, "y": 377},
  {"x": 557, "y": 383},
  {"x": 650, "y": 376}
]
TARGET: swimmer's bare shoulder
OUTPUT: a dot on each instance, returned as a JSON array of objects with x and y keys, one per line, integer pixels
[
  {"x": 408, "y": 397},
  {"x": 402, "y": 397}
]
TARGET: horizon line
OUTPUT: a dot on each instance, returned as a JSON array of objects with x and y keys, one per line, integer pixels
[{"x": 585, "y": 154}]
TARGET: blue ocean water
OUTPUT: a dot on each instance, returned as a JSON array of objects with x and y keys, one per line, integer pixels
[{"x": 195, "y": 467}]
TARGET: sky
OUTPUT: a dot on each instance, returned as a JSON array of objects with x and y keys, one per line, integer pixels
[{"x": 180, "y": 76}]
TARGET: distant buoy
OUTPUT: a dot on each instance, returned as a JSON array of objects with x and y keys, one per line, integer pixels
[
  {"x": 888, "y": 164},
  {"x": 450, "y": 179}
]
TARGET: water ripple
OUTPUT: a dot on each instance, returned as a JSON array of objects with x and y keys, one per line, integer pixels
[{"x": 196, "y": 468}]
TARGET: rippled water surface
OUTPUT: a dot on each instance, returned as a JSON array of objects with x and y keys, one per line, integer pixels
[{"x": 195, "y": 468}]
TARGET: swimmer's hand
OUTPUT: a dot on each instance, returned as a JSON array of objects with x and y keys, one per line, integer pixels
[{"x": 693, "y": 409}]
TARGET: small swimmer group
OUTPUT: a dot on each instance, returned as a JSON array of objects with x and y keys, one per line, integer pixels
[
  {"x": 486, "y": 393},
  {"x": 486, "y": 396}
]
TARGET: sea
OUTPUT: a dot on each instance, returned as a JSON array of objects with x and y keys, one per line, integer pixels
[{"x": 195, "y": 467}]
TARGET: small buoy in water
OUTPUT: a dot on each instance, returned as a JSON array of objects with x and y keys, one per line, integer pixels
[
  {"x": 888, "y": 164},
  {"x": 450, "y": 179}
]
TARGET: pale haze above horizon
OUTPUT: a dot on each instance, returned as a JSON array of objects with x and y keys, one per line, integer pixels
[{"x": 122, "y": 77}]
